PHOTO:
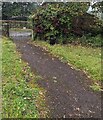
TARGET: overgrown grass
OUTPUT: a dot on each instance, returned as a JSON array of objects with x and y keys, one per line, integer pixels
[
  {"x": 87, "y": 59},
  {"x": 20, "y": 98}
]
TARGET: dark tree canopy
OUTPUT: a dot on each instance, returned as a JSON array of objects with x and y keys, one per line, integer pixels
[{"x": 10, "y": 9}]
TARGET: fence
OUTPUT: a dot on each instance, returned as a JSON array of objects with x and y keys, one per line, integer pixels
[{"x": 9, "y": 24}]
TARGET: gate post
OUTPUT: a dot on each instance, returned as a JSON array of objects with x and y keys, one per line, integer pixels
[
  {"x": 33, "y": 35},
  {"x": 5, "y": 29}
]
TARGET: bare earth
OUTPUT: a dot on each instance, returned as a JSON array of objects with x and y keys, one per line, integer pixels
[{"x": 68, "y": 92}]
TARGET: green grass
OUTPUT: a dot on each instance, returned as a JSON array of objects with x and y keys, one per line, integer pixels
[
  {"x": 20, "y": 98},
  {"x": 87, "y": 59}
]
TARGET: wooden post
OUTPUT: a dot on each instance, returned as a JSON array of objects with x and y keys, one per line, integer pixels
[
  {"x": 33, "y": 35},
  {"x": 5, "y": 29}
]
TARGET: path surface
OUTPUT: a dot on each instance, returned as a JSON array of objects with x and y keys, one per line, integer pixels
[{"x": 68, "y": 94}]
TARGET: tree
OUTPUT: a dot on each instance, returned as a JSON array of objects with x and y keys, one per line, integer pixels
[
  {"x": 53, "y": 20},
  {"x": 10, "y": 9}
]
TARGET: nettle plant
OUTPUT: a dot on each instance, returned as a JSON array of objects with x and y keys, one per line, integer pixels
[{"x": 53, "y": 21}]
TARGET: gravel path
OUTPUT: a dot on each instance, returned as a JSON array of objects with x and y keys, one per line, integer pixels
[{"x": 68, "y": 93}]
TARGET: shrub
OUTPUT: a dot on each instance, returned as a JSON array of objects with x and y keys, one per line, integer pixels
[
  {"x": 57, "y": 22},
  {"x": 54, "y": 20},
  {"x": 95, "y": 41},
  {"x": 87, "y": 24}
]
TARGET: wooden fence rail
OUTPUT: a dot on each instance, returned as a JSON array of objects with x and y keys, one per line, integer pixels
[{"x": 8, "y": 24}]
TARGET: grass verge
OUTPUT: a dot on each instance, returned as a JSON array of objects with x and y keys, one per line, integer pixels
[
  {"x": 87, "y": 59},
  {"x": 20, "y": 98}
]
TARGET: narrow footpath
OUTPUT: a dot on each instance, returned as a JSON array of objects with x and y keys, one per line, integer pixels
[{"x": 68, "y": 93}]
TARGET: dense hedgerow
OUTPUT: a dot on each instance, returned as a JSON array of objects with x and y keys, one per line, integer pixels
[{"x": 57, "y": 22}]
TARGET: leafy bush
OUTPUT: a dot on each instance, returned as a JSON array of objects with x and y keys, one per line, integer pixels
[
  {"x": 94, "y": 41},
  {"x": 87, "y": 23},
  {"x": 57, "y": 22},
  {"x": 52, "y": 21}
]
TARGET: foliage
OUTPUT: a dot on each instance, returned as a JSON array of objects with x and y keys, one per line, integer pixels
[
  {"x": 94, "y": 41},
  {"x": 99, "y": 5},
  {"x": 10, "y": 9},
  {"x": 19, "y": 97},
  {"x": 57, "y": 22},
  {"x": 87, "y": 24},
  {"x": 85, "y": 40}
]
